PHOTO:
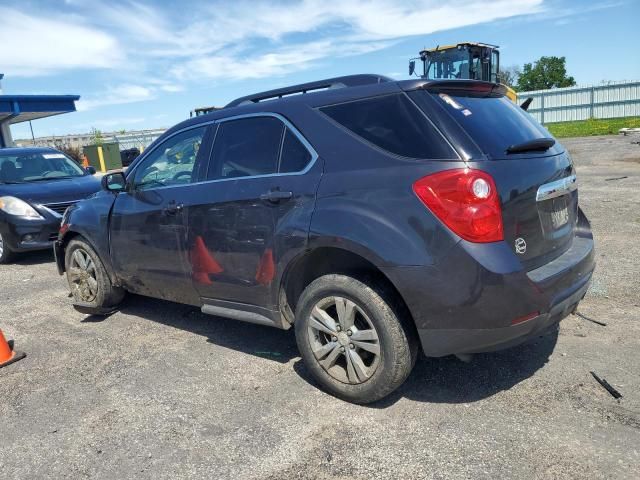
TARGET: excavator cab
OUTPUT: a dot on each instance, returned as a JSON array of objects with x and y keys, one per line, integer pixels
[{"x": 464, "y": 61}]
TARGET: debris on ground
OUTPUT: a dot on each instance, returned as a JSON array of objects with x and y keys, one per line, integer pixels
[
  {"x": 268, "y": 354},
  {"x": 615, "y": 178},
  {"x": 629, "y": 131},
  {"x": 581, "y": 315},
  {"x": 607, "y": 386}
]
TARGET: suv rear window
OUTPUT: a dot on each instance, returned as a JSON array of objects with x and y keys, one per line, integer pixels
[
  {"x": 393, "y": 123},
  {"x": 494, "y": 123}
]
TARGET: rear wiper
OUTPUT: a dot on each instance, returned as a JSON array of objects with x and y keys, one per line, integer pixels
[{"x": 537, "y": 145}]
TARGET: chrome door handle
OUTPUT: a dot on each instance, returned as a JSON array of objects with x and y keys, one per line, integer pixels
[{"x": 276, "y": 196}]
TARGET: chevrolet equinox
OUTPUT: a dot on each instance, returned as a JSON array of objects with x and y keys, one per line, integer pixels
[{"x": 377, "y": 217}]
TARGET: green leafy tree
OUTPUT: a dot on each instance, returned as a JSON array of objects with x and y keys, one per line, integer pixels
[{"x": 548, "y": 72}]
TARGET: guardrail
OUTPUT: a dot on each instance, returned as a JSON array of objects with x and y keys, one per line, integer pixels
[{"x": 611, "y": 100}]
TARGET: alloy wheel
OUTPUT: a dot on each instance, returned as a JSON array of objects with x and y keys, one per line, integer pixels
[
  {"x": 343, "y": 340},
  {"x": 82, "y": 276}
]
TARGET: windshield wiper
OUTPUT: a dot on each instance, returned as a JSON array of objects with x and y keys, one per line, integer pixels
[
  {"x": 11, "y": 183},
  {"x": 45, "y": 179},
  {"x": 537, "y": 145}
]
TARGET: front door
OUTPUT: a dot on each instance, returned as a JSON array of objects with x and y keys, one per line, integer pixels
[
  {"x": 255, "y": 198},
  {"x": 149, "y": 222}
]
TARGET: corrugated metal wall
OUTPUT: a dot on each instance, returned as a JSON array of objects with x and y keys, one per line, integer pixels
[{"x": 612, "y": 100}]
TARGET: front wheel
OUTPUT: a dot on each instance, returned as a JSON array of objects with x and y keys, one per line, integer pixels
[
  {"x": 88, "y": 280},
  {"x": 6, "y": 254},
  {"x": 353, "y": 338}
]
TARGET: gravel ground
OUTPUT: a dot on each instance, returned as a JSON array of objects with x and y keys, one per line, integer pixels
[{"x": 159, "y": 390}]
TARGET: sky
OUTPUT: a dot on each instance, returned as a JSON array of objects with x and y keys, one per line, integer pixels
[{"x": 141, "y": 64}]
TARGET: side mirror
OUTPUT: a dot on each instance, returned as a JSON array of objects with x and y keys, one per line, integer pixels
[
  {"x": 412, "y": 67},
  {"x": 114, "y": 182},
  {"x": 90, "y": 170}
]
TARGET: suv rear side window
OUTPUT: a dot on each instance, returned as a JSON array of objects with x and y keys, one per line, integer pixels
[
  {"x": 246, "y": 147},
  {"x": 494, "y": 123},
  {"x": 393, "y": 123},
  {"x": 295, "y": 156}
]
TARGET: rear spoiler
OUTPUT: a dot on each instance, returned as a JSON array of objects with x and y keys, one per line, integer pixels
[{"x": 477, "y": 87}]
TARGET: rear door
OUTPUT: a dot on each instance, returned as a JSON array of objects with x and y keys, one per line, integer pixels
[
  {"x": 537, "y": 186},
  {"x": 254, "y": 207}
]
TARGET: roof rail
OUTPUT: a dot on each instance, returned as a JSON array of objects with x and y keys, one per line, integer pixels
[{"x": 329, "y": 83}]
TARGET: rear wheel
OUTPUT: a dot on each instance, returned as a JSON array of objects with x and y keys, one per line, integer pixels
[
  {"x": 6, "y": 254},
  {"x": 88, "y": 280},
  {"x": 353, "y": 339}
]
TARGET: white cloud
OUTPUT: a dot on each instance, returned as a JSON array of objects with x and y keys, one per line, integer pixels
[
  {"x": 35, "y": 44},
  {"x": 253, "y": 39},
  {"x": 279, "y": 62},
  {"x": 118, "y": 122},
  {"x": 232, "y": 40},
  {"x": 115, "y": 96}
]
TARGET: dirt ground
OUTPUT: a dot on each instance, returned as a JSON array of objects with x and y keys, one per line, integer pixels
[{"x": 160, "y": 390}]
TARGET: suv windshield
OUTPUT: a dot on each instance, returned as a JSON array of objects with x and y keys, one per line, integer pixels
[
  {"x": 34, "y": 167},
  {"x": 448, "y": 64}
]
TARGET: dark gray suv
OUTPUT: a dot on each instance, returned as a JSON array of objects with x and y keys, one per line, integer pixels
[{"x": 376, "y": 217}]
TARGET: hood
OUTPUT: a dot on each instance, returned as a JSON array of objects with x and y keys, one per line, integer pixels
[{"x": 54, "y": 191}]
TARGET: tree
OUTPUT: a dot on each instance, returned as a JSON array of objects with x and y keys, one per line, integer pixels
[
  {"x": 70, "y": 151},
  {"x": 98, "y": 139},
  {"x": 509, "y": 76},
  {"x": 547, "y": 72}
]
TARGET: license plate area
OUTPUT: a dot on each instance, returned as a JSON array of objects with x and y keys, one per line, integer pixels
[{"x": 556, "y": 214}]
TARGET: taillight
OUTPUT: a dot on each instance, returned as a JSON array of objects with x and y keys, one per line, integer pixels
[{"x": 466, "y": 201}]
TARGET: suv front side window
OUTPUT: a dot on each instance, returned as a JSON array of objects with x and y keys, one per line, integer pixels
[{"x": 172, "y": 162}]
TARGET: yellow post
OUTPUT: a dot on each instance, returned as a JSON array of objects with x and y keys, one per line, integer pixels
[
  {"x": 141, "y": 149},
  {"x": 103, "y": 167}
]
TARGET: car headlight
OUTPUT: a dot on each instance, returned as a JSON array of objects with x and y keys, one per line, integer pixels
[{"x": 17, "y": 207}]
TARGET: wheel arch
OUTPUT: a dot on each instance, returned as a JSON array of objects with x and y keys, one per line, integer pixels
[
  {"x": 72, "y": 234},
  {"x": 324, "y": 260}
]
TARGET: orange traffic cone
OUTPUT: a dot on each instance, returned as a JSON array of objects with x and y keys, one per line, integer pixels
[
  {"x": 203, "y": 263},
  {"x": 7, "y": 354},
  {"x": 266, "y": 269},
  {"x": 202, "y": 278}
]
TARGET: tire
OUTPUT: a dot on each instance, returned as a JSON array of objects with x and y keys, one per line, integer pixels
[
  {"x": 327, "y": 354},
  {"x": 88, "y": 280},
  {"x": 6, "y": 255}
]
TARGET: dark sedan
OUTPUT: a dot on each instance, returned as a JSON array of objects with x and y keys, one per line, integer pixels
[{"x": 36, "y": 187}]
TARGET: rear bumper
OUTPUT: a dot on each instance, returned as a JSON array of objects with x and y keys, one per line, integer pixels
[
  {"x": 26, "y": 235},
  {"x": 441, "y": 342},
  {"x": 471, "y": 301}
]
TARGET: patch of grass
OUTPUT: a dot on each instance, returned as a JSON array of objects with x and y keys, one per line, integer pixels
[{"x": 586, "y": 128}]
